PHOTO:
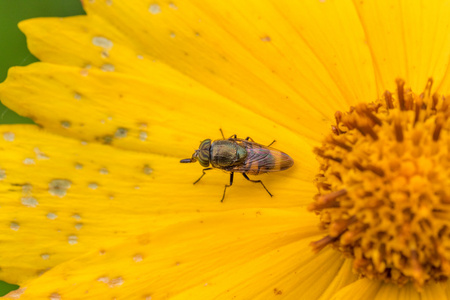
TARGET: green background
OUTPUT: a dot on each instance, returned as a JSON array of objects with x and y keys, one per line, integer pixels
[{"x": 14, "y": 52}]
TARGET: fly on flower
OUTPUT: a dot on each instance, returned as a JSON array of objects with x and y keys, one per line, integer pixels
[{"x": 239, "y": 155}]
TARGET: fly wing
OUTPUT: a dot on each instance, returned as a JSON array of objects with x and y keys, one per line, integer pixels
[{"x": 261, "y": 159}]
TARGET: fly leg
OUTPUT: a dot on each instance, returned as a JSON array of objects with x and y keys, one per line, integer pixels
[
  {"x": 256, "y": 181},
  {"x": 251, "y": 140},
  {"x": 227, "y": 185},
  {"x": 234, "y": 136},
  {"x": 202, "y": 174}
]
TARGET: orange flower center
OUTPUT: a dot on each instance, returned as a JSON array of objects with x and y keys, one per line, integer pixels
[{"x": 384, "y": 187}]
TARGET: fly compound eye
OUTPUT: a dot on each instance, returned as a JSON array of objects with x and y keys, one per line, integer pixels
[
  {"x": 203, "y": 153},
  {"x": 204, "y": 162}
]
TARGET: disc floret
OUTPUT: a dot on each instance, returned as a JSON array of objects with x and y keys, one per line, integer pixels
[{"x": 384, "y": 187}]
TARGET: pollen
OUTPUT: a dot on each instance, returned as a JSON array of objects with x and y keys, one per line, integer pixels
[{"x": 384, "y": 193}]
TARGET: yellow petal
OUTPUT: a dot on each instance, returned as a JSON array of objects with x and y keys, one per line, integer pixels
[
  {"x": 246, "y": 50},
  {"x": 239, "y": 255},
  {"x": 446, "y": 287},
  {"x": 92, "y": 43},
  {"x": 408, "y": 39},
  {"x": 377, "y": 290},
  {"x": 61, "y": 197},
  {"x": 139, "y": 114},
  {"x": 265, "y": 57},
  {"x": 365, "y": 287},
  {"x": 340, "y": 280},
  {"x": 432, "y": 291},
  {"x": 444, "y": 87}
]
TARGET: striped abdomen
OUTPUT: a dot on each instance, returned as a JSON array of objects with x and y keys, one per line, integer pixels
[{"x": 261, "y": 159}]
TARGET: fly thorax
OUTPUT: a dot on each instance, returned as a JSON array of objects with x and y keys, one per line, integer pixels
[{"x": 226, "y": 153}]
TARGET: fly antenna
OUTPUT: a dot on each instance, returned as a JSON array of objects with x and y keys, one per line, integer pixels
[
  {"x": 222, "y": 133},
  {"x": 187, "y": 160}
]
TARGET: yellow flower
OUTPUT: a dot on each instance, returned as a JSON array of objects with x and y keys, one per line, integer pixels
[{"x": 95, "y": 204}]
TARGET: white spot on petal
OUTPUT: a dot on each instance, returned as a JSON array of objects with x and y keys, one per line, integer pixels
[
  {"x": 76, "y": 217},
  {"x": 84, "y": 143},
  {"x": 77, "y": 96},
  {"x": 45, "y": 256},
  {"x": 93, "y": 186},
  {"x": 26, "y": 188},
  {"x": 8, "y": 136},
  {"x": 78, "y": 226},
  {"x": 39, "y": 154},
  {"x": 114, "y": 282},
  {"x": 72, "y": 239},
  {"x": 66, "y": 124},
  {"x": 103, "y": 42},
  {"x": 2, "y": 174},
  {"x": 143, "y": 135},
  {"x": 104, "y": 279},
  {"x": 109, "y": 2},
  {"x": 29, "y": 201},
  {"x": 154, "y": 9},
  {"x": 59, "y": 187},
  {"x": 16, "y": 294},
  {"x": 121, "y": 132},
  {"x": 147, "y": 170},
  {"x": 172, "y": 5},
  {"x": 28, "y": 161},
  {"x": 172, "y": 34},
  {"x": 108, "y": 68},
  {"x": 103, "y": 171},
  {"x": 78, "y": 166},
  {"x": 140, "y": 57},
  {"x": 51, "y": 216},
  {"x": 55, "y": 296},
  {"x": 138, "y": 257},
  {"x": 14, "y": 226}
]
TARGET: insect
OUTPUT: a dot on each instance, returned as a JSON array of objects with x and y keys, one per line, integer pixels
[{"x": 239, "y": 155}]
